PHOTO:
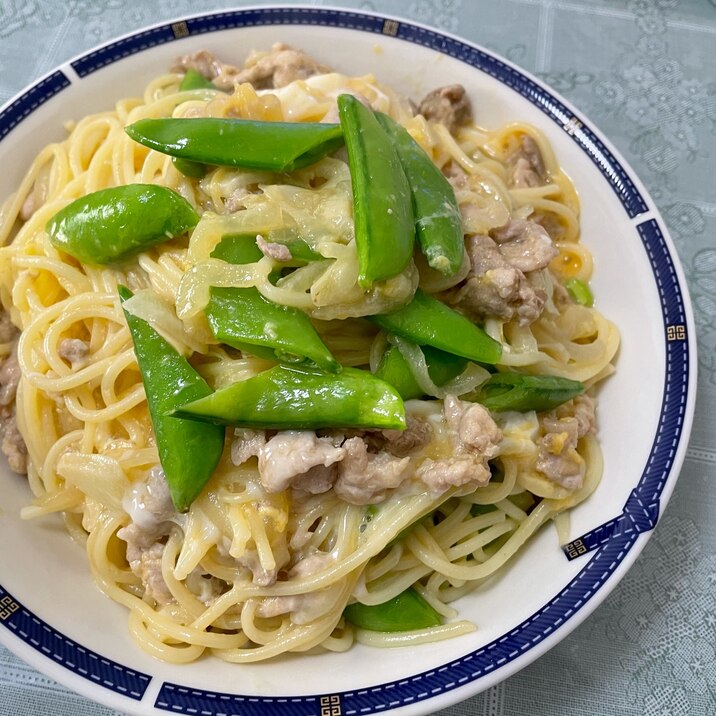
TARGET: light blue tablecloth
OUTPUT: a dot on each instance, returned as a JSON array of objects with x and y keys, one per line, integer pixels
[{"x": 644, "y": 71}]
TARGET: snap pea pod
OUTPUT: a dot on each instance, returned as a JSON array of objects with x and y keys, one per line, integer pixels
[
  {"x": 394, "y": 369},
  {"x": 194, "y": 170},
  {"x": 438, "y": 223},
  {"x": 238, "y": 249},
  {"x": 192, "y": 80},
  {"x": 113, "y": 224},
  {"x": 242, "y": 249},
  {"x": 427, "y": 321},
  {"x": 195, "y": 80},
  {"x": 275, "y": 146},
  {"x": 406, "y": 612},
  {"x": 244, "y": 319},
  {"x": 382, "y": 208},
  {"x": 299, "y": 398},
  {"x": 517, "y": 391},
  {"x": 188, "y": 451},
  {"x": 579, "y": 290}
]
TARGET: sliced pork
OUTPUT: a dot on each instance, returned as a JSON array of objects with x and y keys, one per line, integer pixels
[
  {"x": 562, "y": 428},
  {"x": 448, "y": 105},
  {"x": 494, "y": 287},
  {"x": 527, "y": 165}
]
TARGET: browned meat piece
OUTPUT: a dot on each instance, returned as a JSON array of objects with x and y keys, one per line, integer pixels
[
  {"x": 279, "y": 68},
  {"x": 146, "y": 563},
  {"x": 304, "y": 608},
  {"x": 558, "y": 458},
  {"x": 74, "y": 350},
  {"x": 365, "y": 477},
  {"x": 416, "y": 435},
  {"x": 8, "y": 331},
  {"x": 293, "y": 453},
  {"x": 494, "y": 287},
  {"x": 207, "y": 65},
  {"x": 474, "y": 438},
  {"x": 150, "y": 506},
  {"x": 259, "y": 575},
  {"x": 449, "y": 105},
  {"x": 277, "y": 252},
  {"x": 274, "y": 69},
  {"x": 13, "y": 446},
  {"x": 527, "y": 165},
  {"x": 246, "y": 444},
  {"x": 9, "y": 379},
  {"x": 524, "y": 244}
]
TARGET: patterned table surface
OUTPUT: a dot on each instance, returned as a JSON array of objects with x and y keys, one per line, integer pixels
[{"x": 644, "y": 71}]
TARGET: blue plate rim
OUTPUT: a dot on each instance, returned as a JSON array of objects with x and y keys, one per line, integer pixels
[{"x": 612, "y": 544}]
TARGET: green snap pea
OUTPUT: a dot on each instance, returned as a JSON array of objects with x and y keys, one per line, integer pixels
[
  {"x": 193, "y": 170},
  {"x": 579, "y": 290},
  {"x": 244, "y": 319},
  {"x": 394, "y": 369},
  {"x": 438, "y": 223},
  {"x": 406, "y": 612},
  {"x": 274, "y": 146},
  {"x": 192, "y": 80},
  {"x": 382, "y": 209},
  {"x": 299, "y": 398},
  {"x": 113, "y": 224},
  {"x": 517, "y": 391},
  {"x": 188, "y": 451},
  {"x": 195, "y": 80},
  {"x": 243, "y": 249},
  {"x": 238, "y": 249},
  {"x": 427, "y": 321}
]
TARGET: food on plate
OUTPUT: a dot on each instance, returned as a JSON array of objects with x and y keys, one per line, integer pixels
[{"x": 299, "y": 361}]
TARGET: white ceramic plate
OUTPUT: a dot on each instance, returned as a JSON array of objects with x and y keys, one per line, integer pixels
[{"x": 53, "y": 616}]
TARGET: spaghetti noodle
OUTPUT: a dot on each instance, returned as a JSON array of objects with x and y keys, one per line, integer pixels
[{"x": 248, "y": 573}]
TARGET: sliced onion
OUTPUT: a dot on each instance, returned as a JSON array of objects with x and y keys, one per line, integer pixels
[
  {"x": 193, "y": 294},
  {"x": 467, "y": 381},
  {"x": 160, "y": 315}
]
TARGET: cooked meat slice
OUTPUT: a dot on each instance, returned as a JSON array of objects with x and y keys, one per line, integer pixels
[
  {"x": 292, "y": 453},
  {"x": 146, "y": 562},
  {"x": 472, "y": 428},
  {"x": 416, "y": 435},
  {"x": 8, "y": 330},
  {"x": 365, "y": 477},
  {"x": 473, "y": 437},
  {"x": 494, "y": 287},
  {"x": 277, "y": 252},
  {"x": 13, "y": 446},
  {"x": 558, "y": 458},
  {"x": 246, "y": 444},
  {"x": 304, "y": 608},
  {"x": 149, "y": 505},
  {"x": 524, "y": 244},
  {"x": 441, "y": 475},
  {"x": 279, "y": 68},
  {"x": 206, "y": 64},
  {"x": 9, "y": 378},
  {"x": 260, "y": 575},
  {"x": 527, "y": 164},
  {"x": 235, "y": 201},
  {"x": 316, "y": 480},
  {"x": 449, "y": 105},
  {"x": 73, "y": 350}
]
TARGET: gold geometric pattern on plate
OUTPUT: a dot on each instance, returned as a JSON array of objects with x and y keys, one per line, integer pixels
[
  {"x": 8, "y": 606},
  {"x": 331, "y": 705},
  {"x": 676, "y": 332}
]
